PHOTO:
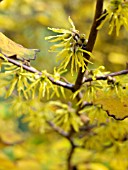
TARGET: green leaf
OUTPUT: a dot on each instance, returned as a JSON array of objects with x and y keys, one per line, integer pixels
[{"x": 11, "y": 49}]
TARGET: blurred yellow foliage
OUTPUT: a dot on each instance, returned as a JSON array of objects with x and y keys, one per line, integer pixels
[{"x": 26, "y": 22}]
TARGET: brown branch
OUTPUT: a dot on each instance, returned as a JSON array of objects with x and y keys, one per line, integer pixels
[
  {"x": 69, "y": 164},
  {"x": 114, "y": 116},
  {"x": 67, "y": 136},
  {"x": 58, "y": 129},
  {"x": 33, "y": 70},
  {"x": 91, "y": 41},
  {"x": 104, "y": 77}
]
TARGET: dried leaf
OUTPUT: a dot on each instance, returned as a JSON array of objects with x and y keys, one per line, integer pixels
[
  {"x": 114, "y": 106},
  {"x": 11, "y": 49}
]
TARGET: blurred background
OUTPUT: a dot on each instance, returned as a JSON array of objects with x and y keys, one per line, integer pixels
[{"x": 26, "y": 22}]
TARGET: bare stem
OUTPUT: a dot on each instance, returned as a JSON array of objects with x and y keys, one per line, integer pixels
[
  {"x": 69, "y": 159},
  {"x": 68, "y": 137},
  {"x": 66, "y": 84},
  {"x": 78, "y": 83},
  {"x": 104, "y": 77},
  {"x": 33, "y": 70},
  {"x": 58, "y": 129},
  {"x": 91, "y": 41}
]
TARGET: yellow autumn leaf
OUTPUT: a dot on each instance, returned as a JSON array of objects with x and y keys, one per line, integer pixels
[
  {"x": 113, "y": 104},
  {"x": 11, "y": 49}
]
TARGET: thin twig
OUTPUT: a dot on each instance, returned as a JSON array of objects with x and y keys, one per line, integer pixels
[
  {"x": 67, "y": 136},
  {"x": 104, "y": 77},
  {"x": 58, "y": 129},
  {"x": 70, "y": 166},
  {"x": 71, "y": 152},
  {"x": 33, "y": 70}
]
